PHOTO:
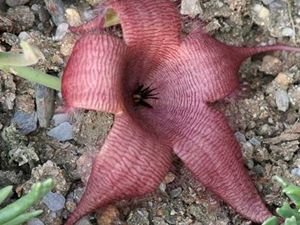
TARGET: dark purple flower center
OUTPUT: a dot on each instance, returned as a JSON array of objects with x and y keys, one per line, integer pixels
[{"x": 143, "y": 93}]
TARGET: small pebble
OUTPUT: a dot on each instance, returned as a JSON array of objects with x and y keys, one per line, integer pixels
[
  {"x": 35, "y": 222},
  {"x": 13, "y": 3},
  {"x": 41, "y": 12},
  {"x": 25, "y": 121},
  {"x": 240, "y": 137},
  {"x": 63, "y": 132},
  {"x": 282, "y": 100},
  {"x": 22, "y": 16},
  {"x": 44, "y": 98},
  {"x": 271, "y": 65},
  {"x": 283, "y": 80},
  {"x": 56, "y": 10},
  {"x": 169, "y": 178},
  {"x": 294, "y": 94},
  {"x": 190, "y": 7},
  {"x": 175, "y": 192},
  {"x": 61, "y": 31},
  {"x": 162, "y": 187},
  {"x": 24, "y": 36},
  {"x": 255, "y": 141},
  {"x": 73, "y": 17},
  {"x": 54, "y": 201},
  {"x": 110, "y": 216},
  {"x": 296, "y": 172},
  {"x": 60, "y": 118},
  {"x": 287, "y": 32},
  {"x": 84, "y": 221},
  {"x": 261, "y": 15}
]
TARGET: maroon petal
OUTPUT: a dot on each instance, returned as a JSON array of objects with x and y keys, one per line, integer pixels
[
  {"x": 152, "y": 25},
  {"x": 206, "y": 68},
  {"x": 92, "y": 78},
  {"x": 202, "y": 139},
  {"x": 211, "y": 152},
  {"x": 131, "y": 163}
]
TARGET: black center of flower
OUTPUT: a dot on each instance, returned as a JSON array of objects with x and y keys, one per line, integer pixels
[{"x": 143, "y": 93}]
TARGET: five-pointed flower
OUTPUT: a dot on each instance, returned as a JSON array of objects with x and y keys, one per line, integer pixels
[{"x": 159, "y": 86}]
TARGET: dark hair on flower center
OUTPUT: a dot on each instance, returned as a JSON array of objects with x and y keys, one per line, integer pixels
[{"x": 143, "y": 93}]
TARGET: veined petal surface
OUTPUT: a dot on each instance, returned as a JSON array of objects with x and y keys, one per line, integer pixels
[
  {"x": 92, "y": 78},
  {"x": 202, "y": 139},
  {"x": 149, "y": 25},
  {"x": 131, "y": 163}
]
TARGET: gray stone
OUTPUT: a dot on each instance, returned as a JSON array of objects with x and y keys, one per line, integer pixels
[
  {"x": 271, "y": 65},
  {"x": 190, "y": 7},
  {"x": 61, "y": 31},
  {"x": 60, "y": 118},
  {"x": 22, "y": 15},
  {"x": 282, "y": 100},
  {"x": 25, "y": 121},
  {"x": 63, "y": 132},
  {"x": 175, "y": 192},
  {"x": 287, "y": 32},
  {"x": 44, "y": 98},
  {"x": 296, "y": 172},
  {"x": 24, "y": 36},
  {"x": 56, "y": 10},
  {"x": 261, "y": 15},
  {"x": 41, "y": 12},
  {"x": 255, "y": 141},
  {"x": 54, "y": 201},
  {"x": 240, "y": 137},
  {"x": 35, "y": 222},
  {"x": 294, "y": 94},
  {"x": 84, "y": 221},
  {"x": 13, "y": 3}
]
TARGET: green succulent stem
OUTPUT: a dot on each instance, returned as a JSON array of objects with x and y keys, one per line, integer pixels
[
  {"x": 15, "y": 209},
  {"x": 16, "y": 63},
  {"x": 30, "y": 56},
  {"x": 5, "y": 192},
  {"x": 34, "y": 76},
  {"x": 271, "y": 221},
  {"x": 24, "y": 217},
  {"x": 290, "y": 214}
]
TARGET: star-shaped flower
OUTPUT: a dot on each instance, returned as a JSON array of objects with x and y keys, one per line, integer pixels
[{"x": 159, "y": 86}]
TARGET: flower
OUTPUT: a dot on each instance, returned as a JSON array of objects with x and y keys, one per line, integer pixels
[{"x": 159, "y": 86}]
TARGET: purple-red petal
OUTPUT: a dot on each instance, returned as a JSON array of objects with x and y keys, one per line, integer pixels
[
  {"x": 152, "y": 25},
  {"x": 131, "y": 163},
  {"x": 92, "y": 78}
]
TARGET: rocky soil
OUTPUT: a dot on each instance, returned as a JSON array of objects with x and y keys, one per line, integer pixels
[{"x": 38, "y": 142}]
